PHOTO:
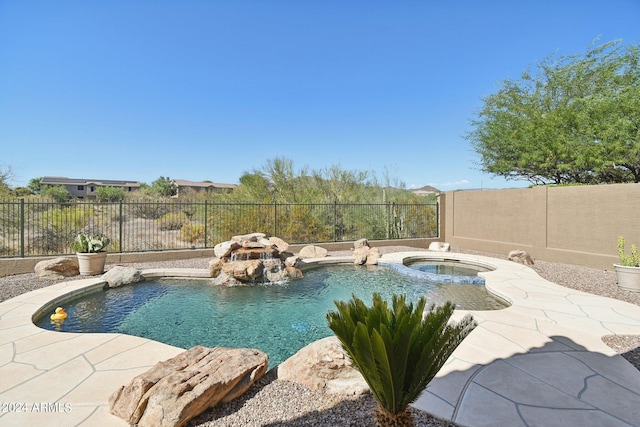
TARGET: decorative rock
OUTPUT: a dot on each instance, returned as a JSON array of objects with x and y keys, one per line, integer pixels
[
  {"x": 291, "y": 260},
  {"x": 249, "y": 270},
  {"x": 279, "y": 244},
  {"x": 223, "y": 250},
  {"x": 251, "y": 237},
  {"x": 324, "y": 365},
  {"x": 366, "y": 255},
  {"x": 360, "y": 255},
  {"x": 373, "y": 256},
  {"x": 57, "y": 268},
  {"x": 521, "y": 257},
  {"x": 215, "y": 266},
  {"x": 439, "y": 247},
  {"x": 178, "y": 389},
  {"x": 119, "y": 275},
  {"x": 362, "y": 243},
  {"x": 312, "y": 251}
]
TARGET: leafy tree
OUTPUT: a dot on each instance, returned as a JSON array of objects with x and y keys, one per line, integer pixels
[
  {"x": 163, "y": 187},
  {"x": 56, "y": 192},
  {"x": 109, "y": 194},
  {"x": 397, "y": 350},
  {"x": 34, "y": 185},
  {"x": 575, "y": 119}
]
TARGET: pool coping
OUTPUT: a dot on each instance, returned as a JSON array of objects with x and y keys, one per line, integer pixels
[{"x": 536, "y": 362}]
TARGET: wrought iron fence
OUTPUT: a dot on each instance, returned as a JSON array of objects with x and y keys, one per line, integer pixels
[{"x": 30, "y": 228}]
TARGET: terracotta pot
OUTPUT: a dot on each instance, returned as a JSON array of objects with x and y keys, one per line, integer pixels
[
  {"x": 628, "y": 277},
  {"x": 91, "y": 264}
]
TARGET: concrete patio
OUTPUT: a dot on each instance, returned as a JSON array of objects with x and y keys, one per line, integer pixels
[{"x": 539, "y": 362}]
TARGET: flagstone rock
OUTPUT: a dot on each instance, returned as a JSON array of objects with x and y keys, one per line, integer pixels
[
  {"x": 57, "y": 268},
  {"x": 120, "y": 275},
  {"x": 324, "y": 365},
  {"x": 312, "y": 251},
  {"x": 521, "y": 257},
  {"x": 178, "y": 389},
  {"x": 439, "y": 247}
]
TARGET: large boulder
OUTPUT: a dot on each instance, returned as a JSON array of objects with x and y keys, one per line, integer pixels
[
  {"x": 120, "y": 275},
  {"x": 324, "y": 365},
  {"x": 57, "y": 268},
  {"x": 178, "y": 389},
  {"x": 366, "y": 255},
  {"x": 248, "y": 271},
  {"x": 312, "y": 251}
]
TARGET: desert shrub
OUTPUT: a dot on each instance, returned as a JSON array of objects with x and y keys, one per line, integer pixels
[
  {"x": 147, "y": 209},
  {"x": 192, "y": 232},
  {"x": 67, "y": 218},
  {"x": 172, "y": 221}
]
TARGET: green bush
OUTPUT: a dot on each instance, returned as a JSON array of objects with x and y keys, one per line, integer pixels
[{"x": 192, "y": 232}]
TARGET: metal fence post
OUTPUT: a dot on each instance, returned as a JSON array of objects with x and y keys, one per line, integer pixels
[
  {"x": 121, "y": 226},
  {"x": 22, "y": 225},
  {"x": 206, "y": 223},
  {"x": 275, "y": 218}
]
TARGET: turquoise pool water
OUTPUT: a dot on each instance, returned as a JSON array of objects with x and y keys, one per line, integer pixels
[{"x": 277, "y": 319}]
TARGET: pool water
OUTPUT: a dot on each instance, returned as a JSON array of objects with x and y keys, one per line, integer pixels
[{"x": 278, "y": 319}]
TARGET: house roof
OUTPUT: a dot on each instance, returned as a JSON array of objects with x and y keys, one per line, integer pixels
[{"x": 62, "y": 180}]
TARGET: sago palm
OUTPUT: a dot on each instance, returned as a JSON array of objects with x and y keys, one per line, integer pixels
[{"x": 397, "y": 350}]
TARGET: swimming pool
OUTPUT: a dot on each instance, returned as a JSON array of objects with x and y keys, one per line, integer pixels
[{"x": 278, "y": 319}]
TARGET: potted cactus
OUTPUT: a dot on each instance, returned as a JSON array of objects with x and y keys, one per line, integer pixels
[
  {"x": 628, "y": 271},
  {"x": 91, "y": 253}
]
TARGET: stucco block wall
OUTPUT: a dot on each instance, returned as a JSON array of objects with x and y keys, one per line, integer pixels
[{"x": 575, "y": 225}]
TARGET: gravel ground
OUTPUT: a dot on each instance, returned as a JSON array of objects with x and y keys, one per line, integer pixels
[{"x": 271, "y": 402}]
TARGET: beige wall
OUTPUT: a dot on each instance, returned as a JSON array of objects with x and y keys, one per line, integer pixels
[{"x": 574, "y": 225}]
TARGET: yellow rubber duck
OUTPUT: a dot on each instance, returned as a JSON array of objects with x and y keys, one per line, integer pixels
[{"x": 60, "y": 314}]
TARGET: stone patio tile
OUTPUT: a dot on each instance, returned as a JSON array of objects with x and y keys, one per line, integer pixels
[
  {"x": 6, "y": 353},
  {"x": 143, "y": 356},
  {"x": 17, "y": 331},
  {"x": 581, "y": 324},
  {"x": 527, "y": 338},
  {"x": 500, "y": 346},
  {"x": 13, "y": 374},
  {"x": 101, "y": 417},
  {"x": 51, "y": 355},
  {"x": 449, "y": 383},
  {"x": 614, "y": 368},
  {"x": 522, "y": 388},
  {"x": 8, "y": 306},
  {"x": 483, "y": 408},
  {"x": 559, "y": 370},
  {"x": 113, "y": 345},
  {"x": 507, "y": 316},
  {"x": 546, "y": 417},
  {"x": 469, "y": 354},
  {"x": 613, "y": 399},
  {"x": 434, "y": 405},
  {"x": 93, "y": 391},
  {"x": 609, "y": 315},
  {"x": 51, "y": 385},
  {"x": 40, "y": 339},
  {"x": 49, "y": 415}
]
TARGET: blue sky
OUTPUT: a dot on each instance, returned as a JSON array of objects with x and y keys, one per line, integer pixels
[{"x": 208, "y": 90}]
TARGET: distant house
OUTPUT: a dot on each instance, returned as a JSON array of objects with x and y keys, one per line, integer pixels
[
  {"x": 184, "y": 187},
  {"x": 426, "y": 191},
  {"x": 86, "y": 188}
]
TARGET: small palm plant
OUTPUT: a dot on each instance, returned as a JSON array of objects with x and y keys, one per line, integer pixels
[{"x": 398, "y": 350}]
